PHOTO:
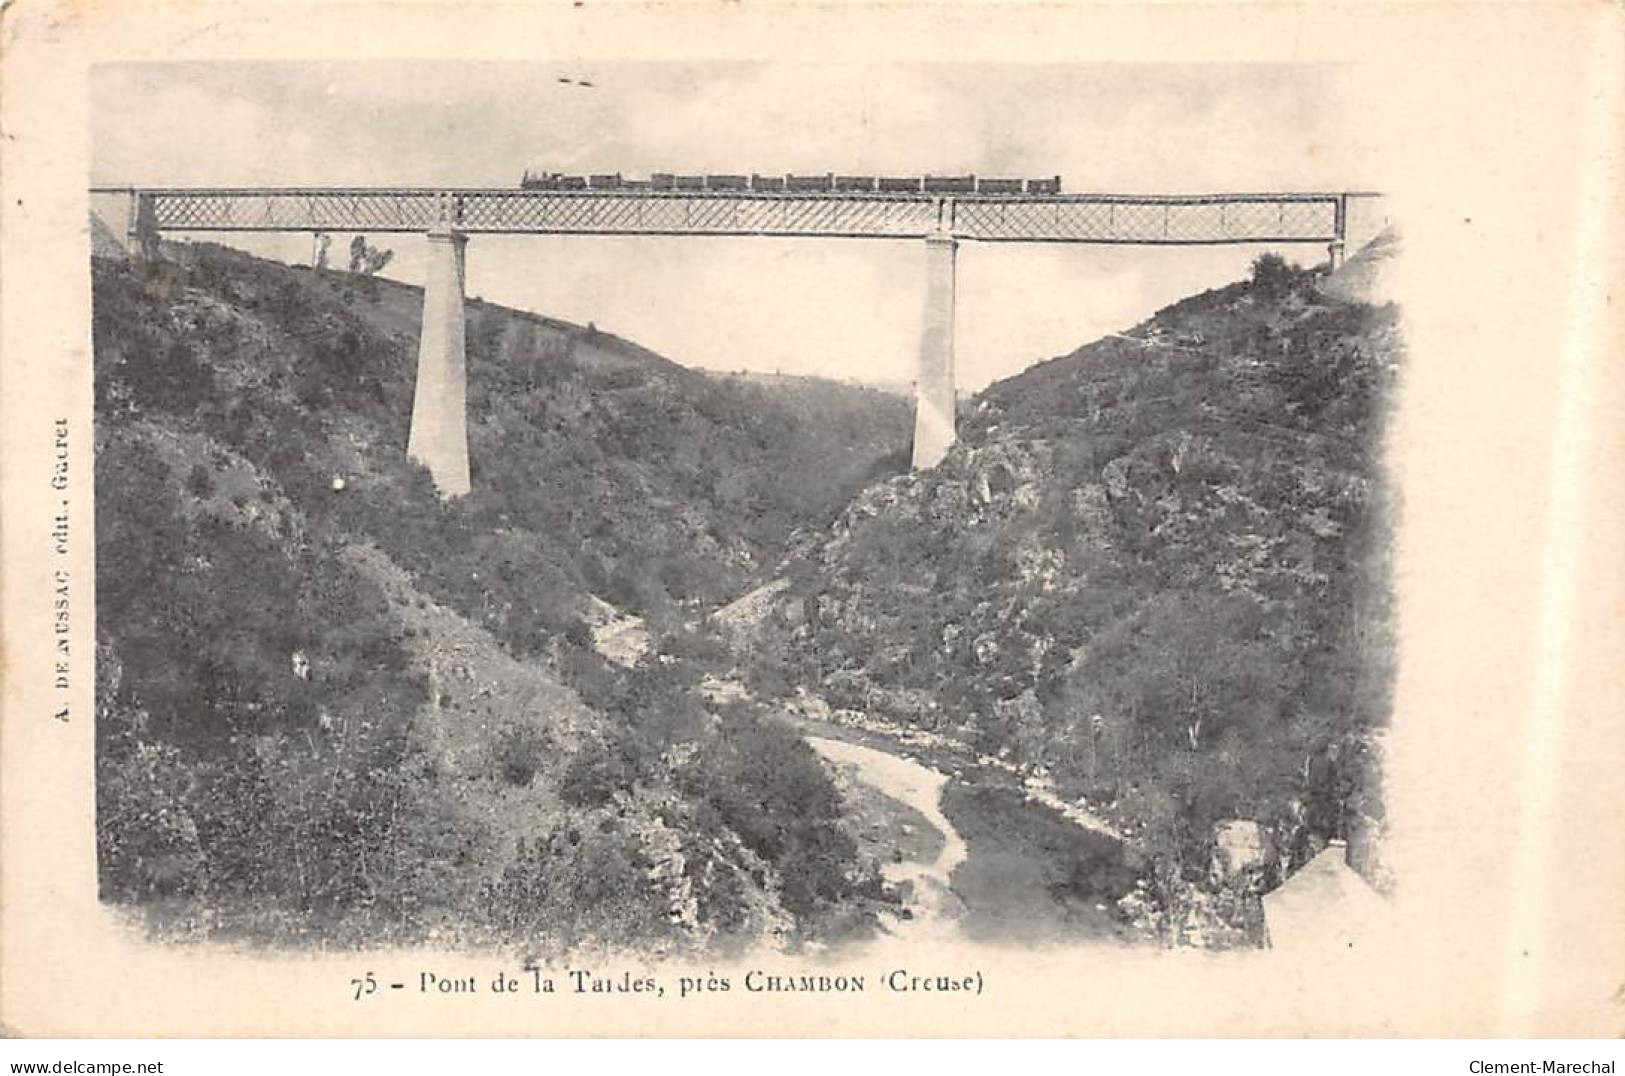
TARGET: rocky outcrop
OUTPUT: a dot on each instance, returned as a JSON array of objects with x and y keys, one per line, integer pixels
[
  {"x": 1368, "y": 276},
  {"x": 741, "y": 619},
  {"x": 1241, "y": 852}
]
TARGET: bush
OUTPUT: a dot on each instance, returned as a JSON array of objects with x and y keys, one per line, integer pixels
[
  {"x": 147, "y": 838},
  {"x": 583, "y": 883},
  {"x": 199, "y": 483},
  {"x": 765, "y": 784},
  {"x": 596, "y": 772},
  {"x": 518, "y": 750},
  {"x": 1275, "y": 278}
]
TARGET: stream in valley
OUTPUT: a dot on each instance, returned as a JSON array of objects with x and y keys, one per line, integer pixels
[{"x": 1008, "y": 869}]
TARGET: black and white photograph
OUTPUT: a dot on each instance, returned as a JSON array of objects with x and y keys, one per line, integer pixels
[
  {"x": 796, "y": 529},
  {"x": 530, "y": 514}
]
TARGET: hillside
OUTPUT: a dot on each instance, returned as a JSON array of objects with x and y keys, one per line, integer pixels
[
  {"x": 1153, "y": 572},
  {"x": 857, "y": 433},
  {"x": 335, "y": 709},
  {"x": 654, "y": 487},
  {"x": 1137, "y": 621}
]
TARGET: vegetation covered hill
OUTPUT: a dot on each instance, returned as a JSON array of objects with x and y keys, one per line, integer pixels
[
  {"x": 599, "y": 467},
  {"x": 1153, "y": 572},
  {"x": 1154, "y": 569},
  {"x": 334, "y": 707}
]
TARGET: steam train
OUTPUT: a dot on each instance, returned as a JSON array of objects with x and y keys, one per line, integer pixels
[{"x": 828, "y": 183}]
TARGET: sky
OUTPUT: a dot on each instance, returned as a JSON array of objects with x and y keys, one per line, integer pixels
[{"x": 847, "y": 308}]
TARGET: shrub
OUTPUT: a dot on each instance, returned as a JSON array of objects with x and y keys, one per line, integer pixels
[
  {"x": 584, "y": 882},
  {"x": 147, "y": 839},
  {"x": 518, "y": 750},
  {"x": 765, "y": 784},
  {"x": 1275, "y": 278},
  {"x": 596, "y": 772},
  {"x": 199, "y": 482},
  {"x": 578, "y": 634}
]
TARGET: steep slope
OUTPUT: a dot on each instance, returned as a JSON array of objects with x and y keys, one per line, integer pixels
[
  {"x": 850, "y": 434},
  {"x": 1154, "y": 570},
  {"x": 598, "y": 466},
  {"x": 335, "y": 710}
]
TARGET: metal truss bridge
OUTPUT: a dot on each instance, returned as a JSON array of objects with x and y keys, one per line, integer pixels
[
  {"x": 449, "y": 216},
  {"x": 1155, "y": 219}
]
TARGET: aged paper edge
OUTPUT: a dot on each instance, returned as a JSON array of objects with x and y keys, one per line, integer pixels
[{"x": 1498, "y": 132}]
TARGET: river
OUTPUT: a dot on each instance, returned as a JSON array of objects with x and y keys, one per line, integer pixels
[{"x": 934, "y": 908}]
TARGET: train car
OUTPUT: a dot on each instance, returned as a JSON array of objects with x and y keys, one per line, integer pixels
[
  {"x": 828, "y": 183},
  {"x": 950, "y": 184},
  {"x": 825, "y": 182},
  {"x": 998, "y": 186}
]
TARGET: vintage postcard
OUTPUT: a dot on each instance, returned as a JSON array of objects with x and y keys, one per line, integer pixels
[{"x": 720, "y": 520}]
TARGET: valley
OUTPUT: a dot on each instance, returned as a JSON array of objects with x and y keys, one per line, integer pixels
[{"x": 699, "y": 665}]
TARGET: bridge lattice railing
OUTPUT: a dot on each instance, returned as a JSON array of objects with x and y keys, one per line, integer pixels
[{"x": 1149, "y": 219}]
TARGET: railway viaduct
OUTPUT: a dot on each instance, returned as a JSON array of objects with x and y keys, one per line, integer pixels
[{"x": 448, "y": 217}]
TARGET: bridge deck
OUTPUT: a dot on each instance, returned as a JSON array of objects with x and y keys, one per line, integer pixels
[{"x": 1062, "y": 218}]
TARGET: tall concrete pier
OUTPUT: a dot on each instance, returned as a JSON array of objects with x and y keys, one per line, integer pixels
[
  {"x": 439, "y": 437},
  {"x": 934, "y": 381}
]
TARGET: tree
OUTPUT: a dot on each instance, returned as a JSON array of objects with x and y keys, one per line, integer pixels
[
  {"x": 1274, "y": 276},
  {"x": 367, "y": 259}
]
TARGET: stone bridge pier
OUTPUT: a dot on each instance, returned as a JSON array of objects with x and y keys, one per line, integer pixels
[
  {"x": 439, "y": 437},
  {"x": 934, "y": 396}
]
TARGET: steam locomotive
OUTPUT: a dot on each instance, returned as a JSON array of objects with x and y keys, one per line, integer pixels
[{"x": 828, "y": 183}]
